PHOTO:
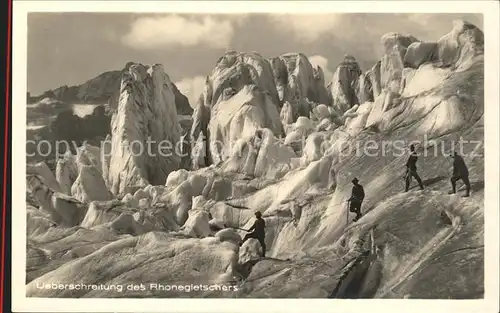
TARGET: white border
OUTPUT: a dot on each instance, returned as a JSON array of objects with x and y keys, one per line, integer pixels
[{"x": 20, "y": 303}]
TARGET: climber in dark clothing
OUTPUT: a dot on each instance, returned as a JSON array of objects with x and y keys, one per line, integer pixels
[
  {"x": 356, "y": 199},
  {"x": 460, "y": 171},
  {"x": 411, "y": 169},
  {"x": 257, "y": 232}
]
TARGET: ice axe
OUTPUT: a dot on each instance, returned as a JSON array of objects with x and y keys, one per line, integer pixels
[
  {"x": 235, "y": 228},
  {"x": 347, "y": 211}
]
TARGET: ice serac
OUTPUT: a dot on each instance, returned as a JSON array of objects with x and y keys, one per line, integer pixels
[
  {"x": 443, "y": 94},
  {"x": 260, "y": 155},
  {"x": 43, "y": 172},
  {"x": 124, "y": 219},
  {"x": 81, "y": 175},
  {"x": 62, "y": 209},
  {"x": 323, "y": 96},
  {"x": 375, "y": 79},
  {"x": 419, "y": 53},
  {"x": 460, "y": 46},
  {"x": 105, "y": 158},
  {"x": 389, "y": 40},
  {"x": 180, "y": 190},
  {"x": 145, "y": 130},
  {"x": 392, "y": 63},
  {"x": 364, "y": 88},
  {"x": 343, "y": 85},
  {"x": 90, "y": 186},
  {"x": 235, "y": 70},
  {"x": 197, "y": 225},
  {"x": 239, "y": 97},
  {"x": 286, "y": 114},
  {"x": 240, "y": 116},
  {"x": 200, "y": 154},
  {"x": 88, "y": 155},
  {"x": 66, "y": 172},
  {"x": 298, "y": 82}
]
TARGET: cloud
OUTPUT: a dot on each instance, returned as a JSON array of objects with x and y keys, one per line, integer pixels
[
  {"x": 319, "y": 60},
  {"x": 307, "y": 28},
  {"x": 192, "y": 88},
  {"x": 420, "y": 19},
  {"x": 110, "y": 35},
  {"x": 174, "y": 30}
]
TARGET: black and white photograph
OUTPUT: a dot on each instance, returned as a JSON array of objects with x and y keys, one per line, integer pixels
[{"x": 257, "y": 155}]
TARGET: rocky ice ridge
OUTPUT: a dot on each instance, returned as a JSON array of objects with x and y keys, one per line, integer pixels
[
  {"x": 145, "y": 119},
  {"x": 235, "y": 70},
  {"x": 181, "y": 101},
  {"x": 240, "y": 116},
  {"x": 448, "y": 69},
  {"x": 397, "y": 86},
  {"x": 187, "y": 224},
  {"x": 298, "y": 82},
  {"x": 240, "y": 96},
  {"x": 260, "y": 154},
  {"x": 63, "y": 210},
  {"x": 246, "y": 92},
  {"x": 461, "y": 46},
  {"x": 342, "y": 87}
]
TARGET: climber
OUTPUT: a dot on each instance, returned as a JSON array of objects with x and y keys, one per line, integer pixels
[
  {"x": 257, "y": 232},
  {"x": 411, "y": 169},
  {"x": 460, "y": 171},
  {"x": 356, "y": 199}
]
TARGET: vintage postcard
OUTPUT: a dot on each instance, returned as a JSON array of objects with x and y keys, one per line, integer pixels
[{"x": 255, "y": 156}]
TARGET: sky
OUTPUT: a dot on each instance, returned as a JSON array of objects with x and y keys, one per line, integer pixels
[{"x": 71, "y": 48}]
